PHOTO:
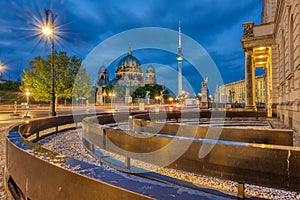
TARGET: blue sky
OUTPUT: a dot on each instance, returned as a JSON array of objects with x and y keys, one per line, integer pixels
[{"x": 83, "y": 24}]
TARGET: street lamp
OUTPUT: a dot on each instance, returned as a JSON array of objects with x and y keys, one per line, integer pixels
[
  {"x": 49, "y": 31},
  {"x": 1, "y": 69},
  {"x": 27, "y": 93}
]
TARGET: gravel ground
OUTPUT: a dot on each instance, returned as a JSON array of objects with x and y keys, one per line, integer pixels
[{"x": 69, "y": 144}]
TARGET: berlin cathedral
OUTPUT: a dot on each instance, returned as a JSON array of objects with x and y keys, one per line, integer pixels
[{"x": 128, "y": 72}]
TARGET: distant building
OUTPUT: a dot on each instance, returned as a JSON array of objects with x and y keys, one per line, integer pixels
[
  {"x": 235, "y": 92},
  {"x": 150, "y": 75},
  {"x": 275, "y": 46},
  {"x": 103, "y": 76},
  {"x": 128, "y": 72}
]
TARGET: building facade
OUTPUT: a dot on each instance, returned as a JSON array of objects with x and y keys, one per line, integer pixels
[
  {"x": 275, "y": 46},
  {"x": 128, "y": 72},
  {"x": 236, "y": 92}
]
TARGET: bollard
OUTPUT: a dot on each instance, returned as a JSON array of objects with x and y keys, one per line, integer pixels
[
  {"x": 37, "y": 137},
  {"x": 127, "y": 162},
  {"x": 104, "y": 138},
  {"x": 92, "y": 147},
  {"x": 241, "y": 191}
]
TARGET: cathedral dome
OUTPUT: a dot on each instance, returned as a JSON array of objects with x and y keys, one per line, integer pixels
[
  {"x": 150, "y": 69},
  {"x": 129, "y": 67},
  {"x": 129, "y": 64}
]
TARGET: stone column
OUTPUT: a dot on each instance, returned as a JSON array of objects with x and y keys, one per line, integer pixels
[
  {"x": 249, "y": 80},
  {"x": 269, "y": 90}
]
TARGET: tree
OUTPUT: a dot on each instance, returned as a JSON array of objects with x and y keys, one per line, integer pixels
[
  {"x": 10, "y": 86},
  {"x": 155, "y": 90},
  {"x": 37, "y": 78},
  {"x": 9, "y": 92},
  {"x": 83, "y": 84}
]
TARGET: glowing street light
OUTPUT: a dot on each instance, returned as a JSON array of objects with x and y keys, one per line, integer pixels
[
  {"x": 1, "y": 69},
  {"x": 27, "y": 93},
  {"x": 49, "y": 31}
]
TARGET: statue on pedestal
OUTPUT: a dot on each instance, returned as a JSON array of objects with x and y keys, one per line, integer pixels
[
  {"x": 147, "y": 97},
  {"x": 204, "y": 94}
]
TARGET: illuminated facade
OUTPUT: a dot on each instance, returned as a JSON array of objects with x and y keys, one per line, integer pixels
[
  {"x": 129, "y": 72},
  {"x": 236, "y": 92},
  {"x": 275, "y": 46},
  {"x": 150, "y": 75}
]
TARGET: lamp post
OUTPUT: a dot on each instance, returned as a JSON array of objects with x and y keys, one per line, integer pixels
[
  {"x": 49, "y": 31},
  {"x": 27, "y": 93}
]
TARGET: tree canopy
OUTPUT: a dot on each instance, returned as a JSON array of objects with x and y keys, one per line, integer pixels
[
  {"x": 10, "y": 86},
  {"x": 136, "y": 92},
  {"x": 67, "y": 69}
]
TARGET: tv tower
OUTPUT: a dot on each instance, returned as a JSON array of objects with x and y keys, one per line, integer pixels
[{"x": 179, "y": 58}]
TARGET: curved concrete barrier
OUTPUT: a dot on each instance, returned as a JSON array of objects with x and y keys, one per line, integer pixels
[
  {"x": 268, "y": 165},
  {"x": 33, "y": 172}
]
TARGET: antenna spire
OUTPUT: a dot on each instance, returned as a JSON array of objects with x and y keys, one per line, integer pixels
[{"x": 179, "y": 39}]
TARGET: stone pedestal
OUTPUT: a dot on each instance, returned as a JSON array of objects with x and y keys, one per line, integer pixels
[
  {"x": 204, "y": 96},
  {"x": 204, "y": 105}
]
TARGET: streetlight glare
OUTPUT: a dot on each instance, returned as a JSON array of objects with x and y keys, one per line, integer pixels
[
  {"x": 47, "y": 30},
  {"x": 2, "y": 66}
]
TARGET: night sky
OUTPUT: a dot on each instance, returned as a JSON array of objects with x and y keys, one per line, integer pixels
[{"x": 216, "y": 25}]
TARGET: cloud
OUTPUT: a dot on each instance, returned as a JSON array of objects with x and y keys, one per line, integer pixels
[{"x": 84, "y": 24}]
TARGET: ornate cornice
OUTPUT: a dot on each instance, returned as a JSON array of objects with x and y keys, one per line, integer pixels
[
  {"x": 266, "y": 40},
  {"x": 248, "y": 29}
]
